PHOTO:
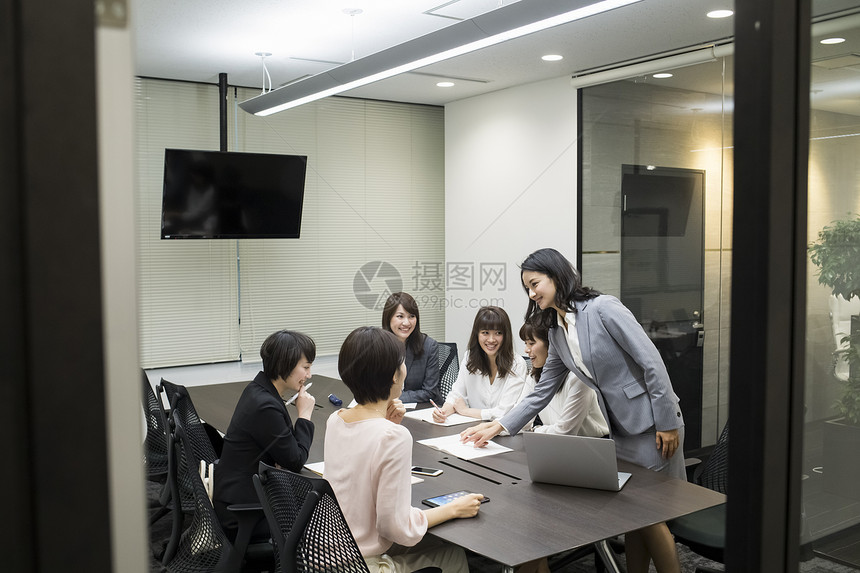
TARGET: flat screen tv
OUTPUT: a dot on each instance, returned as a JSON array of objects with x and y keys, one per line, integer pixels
[{"x": 229, "y": 195}]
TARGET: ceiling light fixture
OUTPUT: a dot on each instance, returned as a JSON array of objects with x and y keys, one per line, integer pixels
[
  {"x": 719, "y": 13},
  {"x": 445, "y": 84},
  {"x": 552, "y": 57},
  {"x": 505, "y": 23},
  {"x": 263, "y": 56},
  {"x": 662, "y": 76},
  {"x": 832, "y": 40}
]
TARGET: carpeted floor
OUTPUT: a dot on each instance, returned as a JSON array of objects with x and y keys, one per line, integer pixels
[{"x": 160, "y": 532}]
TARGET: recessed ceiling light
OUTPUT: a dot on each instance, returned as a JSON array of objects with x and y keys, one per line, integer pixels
[
  {"x": 552, "y": 57},
  {"x": 662, "y": 76},
  {"x": 720, "y": 13},
  {"x": 445, "y": 84},
  {"x": 832, "y": 40}
]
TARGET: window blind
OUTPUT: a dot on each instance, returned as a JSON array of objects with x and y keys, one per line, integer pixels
[{"x": 374, "y": 194}]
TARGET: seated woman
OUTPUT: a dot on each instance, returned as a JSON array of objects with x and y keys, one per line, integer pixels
[
  {"x": 573, "y": 408},
  {"x": 261, "y": 428},
  {"x": 400, "y": 316},
  {"x": 368, "y": 459},
  {"x": 492, "y": 377}
]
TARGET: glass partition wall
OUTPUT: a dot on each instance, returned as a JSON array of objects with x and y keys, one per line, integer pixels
[
  {"x": 656, "y": 222},
  {"x": 831, "y": 437}
]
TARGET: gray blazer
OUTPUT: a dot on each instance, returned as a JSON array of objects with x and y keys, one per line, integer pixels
[
  {"x": 632, "y": 385},
  {"x": 422, "y": 374}
]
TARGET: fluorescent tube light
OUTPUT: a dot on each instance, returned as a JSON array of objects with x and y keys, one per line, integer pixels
[{"x": 505, "y": 23}]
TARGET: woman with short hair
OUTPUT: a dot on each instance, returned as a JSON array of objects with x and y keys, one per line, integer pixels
[
  {"x": 368, "y": 461},
  {"x": 261, "y": 428}
]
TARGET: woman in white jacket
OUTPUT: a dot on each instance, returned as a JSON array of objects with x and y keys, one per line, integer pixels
[
  {"x": 492, "y": 377},
  {"x": 574, "y": 408}
]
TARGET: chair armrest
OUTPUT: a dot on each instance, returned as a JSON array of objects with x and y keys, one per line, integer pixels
[
  {"x": 690, "y": 465},
  {"x": 244, "y": 507},
  {"x": 248, "y": 514}
]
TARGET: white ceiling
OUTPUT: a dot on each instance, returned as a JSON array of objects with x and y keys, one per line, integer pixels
[{"x": 195, "y": 40}]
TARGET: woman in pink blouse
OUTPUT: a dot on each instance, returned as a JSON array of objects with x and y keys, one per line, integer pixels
[{"x": 368, "y": 459}]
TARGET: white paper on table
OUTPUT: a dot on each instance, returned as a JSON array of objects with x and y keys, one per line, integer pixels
[
  {"x": 452, "y": 420},
  {"x": 407, "y": 405},
  {"x": 316, "y": 467},
  {"x": 319, "y": 467},
  {"x": 452, "y": 445}
]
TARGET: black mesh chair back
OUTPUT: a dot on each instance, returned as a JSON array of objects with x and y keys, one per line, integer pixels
[
  {"x": 182, "y": 407},
  {"x": 449, "y": 367},
  {"x": 156, "y": 443},
  {"x": 715, "y": 471},
  {"x": 203, "y": 546},
  {"x": 308, "y": 528}
]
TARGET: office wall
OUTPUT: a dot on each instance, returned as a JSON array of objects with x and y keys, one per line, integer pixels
[
  {"x": 510, "y": 188},
  {"x": 373, "y": 194},
  {"x": 122, "y": 372}
]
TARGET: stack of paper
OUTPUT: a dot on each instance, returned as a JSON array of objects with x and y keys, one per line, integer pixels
[
  {"x": 452, "y": 445},
  {"x": 452, "y": 420}
]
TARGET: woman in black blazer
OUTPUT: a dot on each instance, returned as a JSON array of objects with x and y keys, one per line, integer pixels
[
  {"x": 261, "y": 428},
  {"x": 400, "y": 316}
]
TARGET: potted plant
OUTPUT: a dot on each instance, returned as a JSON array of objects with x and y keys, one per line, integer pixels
[{"x": 836, "y": 253}]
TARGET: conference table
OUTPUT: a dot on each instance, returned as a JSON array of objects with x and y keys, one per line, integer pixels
[{"x": 523, "y": 520}]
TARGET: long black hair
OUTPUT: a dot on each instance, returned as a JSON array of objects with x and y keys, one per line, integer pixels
[
  {"x": 567, "y": 281},
  {"x": 491, "y": 318},
  {"x": 415, "y": 342}
]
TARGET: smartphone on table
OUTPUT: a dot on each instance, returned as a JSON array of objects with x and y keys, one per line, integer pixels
[{"x": 422, "y": 471}]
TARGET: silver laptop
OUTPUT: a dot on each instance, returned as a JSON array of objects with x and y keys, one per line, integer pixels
[{"x": 573, "y": 460}]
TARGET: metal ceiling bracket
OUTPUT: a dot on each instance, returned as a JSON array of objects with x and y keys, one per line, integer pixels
[{"x": 112, "y": 13}]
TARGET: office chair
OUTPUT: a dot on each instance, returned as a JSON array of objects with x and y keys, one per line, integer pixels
[
  {"x": 449, "y": 367},
  {"x": 308, "y": 528},
  {"x": 203, "y": 546},
  {"x": 180, "y": 500},
  {"x": 206, "y": 440},
  {"x": 704, "y": 531},
  {"x": 155, "y": 445}
]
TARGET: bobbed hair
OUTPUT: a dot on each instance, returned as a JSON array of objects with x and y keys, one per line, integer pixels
[
  {"x": 415, "y": 342},
  {"x": 282, "y": 350},
  {"x": 491, "y": 318},
  {"x": 368, "y": 361},
  {"x": 567, "y": 281}
]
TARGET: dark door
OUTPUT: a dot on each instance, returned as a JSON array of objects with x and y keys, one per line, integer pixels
[{"x": 662, "y": 273}]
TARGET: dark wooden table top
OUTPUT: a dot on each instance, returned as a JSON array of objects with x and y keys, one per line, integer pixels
[{"x": 524, "y": 520}]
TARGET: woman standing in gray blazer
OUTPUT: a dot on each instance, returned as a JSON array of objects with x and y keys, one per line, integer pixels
[
  {"x": 597, "y": 338},
  {"x": 400, "y": 316}
]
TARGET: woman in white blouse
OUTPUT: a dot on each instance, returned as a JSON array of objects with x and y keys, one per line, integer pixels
[
  {"x": 574, "y": 408},
  {"x": 368, "y": 460},
  {"x": 492, "y": 377}
]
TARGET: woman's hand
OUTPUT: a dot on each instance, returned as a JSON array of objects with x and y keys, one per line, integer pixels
[
  {"x": 482, "y": 433},
  {"x": 466, "y": 506},
  {"x": 395, "y": 412},
  {"x": 305, "y": 404},
  {"x": 668, "y": 442},
  {"x": 460, "y": 406},
  {"x": 441, "y": 414}
]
